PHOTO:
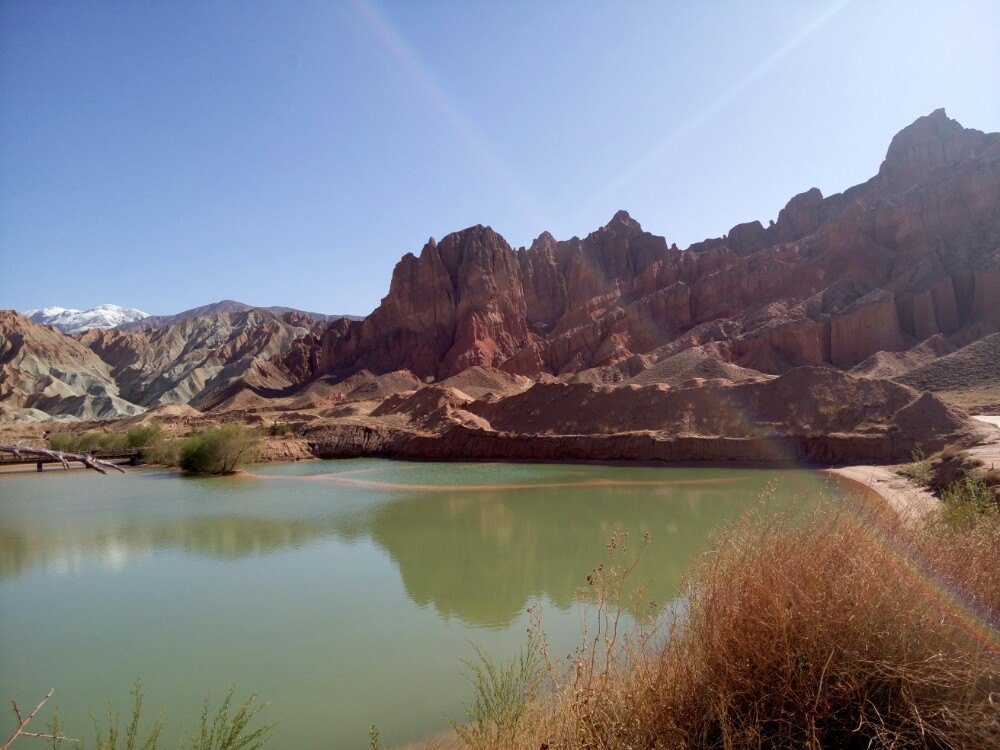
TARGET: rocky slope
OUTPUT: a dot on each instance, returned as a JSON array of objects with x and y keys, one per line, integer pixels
[
  {"x": 814, "y": 415},
  {"x": 975, "y": 365},
  {"x": 46, "y": 373},
  {"x": 206, "y": 362},
  {"x": 202, "y": 360},
  {"x": 910, "y": 254},
  {"x": 620, "y": 344},
  {"x": 224, "y": 306}
]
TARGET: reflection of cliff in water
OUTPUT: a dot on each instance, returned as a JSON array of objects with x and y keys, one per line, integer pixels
[
  {"x": 231, "y": 536},
  {"x": 479, "y": 555},
  {"x": 482, "y": 556}
]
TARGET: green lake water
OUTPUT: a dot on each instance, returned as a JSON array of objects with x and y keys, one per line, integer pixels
[{"x": 345, "y": 593}]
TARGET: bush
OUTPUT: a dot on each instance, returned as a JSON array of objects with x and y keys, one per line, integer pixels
[
  {"x": 279, "y": 429},
  {"x": 919, "y": 470},
  {"x": 504, "y": 693},
  {"x": 166, "y": 453},
  {"x": 828, "y": 632},
  {"x": 219, "y": 451},
  {"x": 969, "y": 497},
  {"x": 86, "y": 442},
  {"x": 223, "y": 729},
  {"x": 62, "y": 441},
  {"x": 144, "y": 436}
]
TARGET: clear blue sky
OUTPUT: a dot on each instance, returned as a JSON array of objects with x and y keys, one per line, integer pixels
[{"x": 163, "y": 155}]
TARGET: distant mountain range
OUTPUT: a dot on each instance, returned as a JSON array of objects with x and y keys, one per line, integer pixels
[
  {"x": 68, "y": 320},
  {"x": 107, "y": 316},
  {"x": 225, "y": 306}
]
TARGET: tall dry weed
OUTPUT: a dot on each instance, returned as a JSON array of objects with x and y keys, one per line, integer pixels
[{"x": 845, "y": 629}]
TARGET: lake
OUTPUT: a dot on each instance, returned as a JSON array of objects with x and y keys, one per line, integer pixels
[{"x": 345, "y": 593}]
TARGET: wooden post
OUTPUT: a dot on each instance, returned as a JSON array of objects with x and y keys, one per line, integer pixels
[{"x": 39, "y": 465}]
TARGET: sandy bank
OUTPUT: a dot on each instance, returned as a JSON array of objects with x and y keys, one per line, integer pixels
[{"x": 904, "y": 495}]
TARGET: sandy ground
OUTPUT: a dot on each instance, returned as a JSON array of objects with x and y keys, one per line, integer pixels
[
  {"x": 988, "y": 451},
  {"x": 905, "y": 496}
]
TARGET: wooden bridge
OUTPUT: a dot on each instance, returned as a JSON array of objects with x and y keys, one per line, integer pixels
[{"x": 131, "y": 456}]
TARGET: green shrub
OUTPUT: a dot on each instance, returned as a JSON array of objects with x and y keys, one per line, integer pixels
[
  {"x": 966, "y": 499},
  {"x": 216, "y": 731},
  {"x": 62, "y": 441},
  {"x": 919, "y": 470},
  {"x": 503, "y": 695},
  {"x": 114, "y": 740},
  {"x": 279, "y": 429},
  {"x": 87, "y": 442},
  {"x": 166, "y": 452},
  {"x": 225, "y": 732},
  {"x": 219, "y": 451},
  {"x": 144, "y": 436}
]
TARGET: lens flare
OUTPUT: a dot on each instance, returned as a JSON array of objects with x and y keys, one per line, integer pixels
[
  {"x": 660, "y": 149},
  {"x": 435, "y": 93}
]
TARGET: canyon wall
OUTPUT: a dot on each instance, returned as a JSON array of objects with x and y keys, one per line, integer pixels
[{"x": 912, "y": 253}]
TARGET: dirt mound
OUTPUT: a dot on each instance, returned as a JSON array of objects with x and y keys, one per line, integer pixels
[
  {"x": 812, "y": 414},
  {"x": 166, "y": 413},
  {"x": 895, "y": 364},
  {"x": 360, "y": 386},
  {"x": 430, "y": 408},
  {"x": 284, "y": 449},
  {"x": 807, "y": 400},
  {"x": 698, "y": 362},
  {"x": 480, "y": 381},
  {"x": 172, "y": 411},
  {"x": 973, "y": 366},
  {"x": 353, "y": 409}
]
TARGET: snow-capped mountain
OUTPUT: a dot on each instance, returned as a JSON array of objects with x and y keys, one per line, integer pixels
[{"x": 71, "y": 321}]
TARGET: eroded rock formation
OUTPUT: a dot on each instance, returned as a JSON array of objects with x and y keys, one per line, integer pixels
[
  {"x": 619, "y": 344},
  {"x": 912, "y": 253}
]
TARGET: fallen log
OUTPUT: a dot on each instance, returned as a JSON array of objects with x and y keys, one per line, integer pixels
[{"x": 64, "y": 458}]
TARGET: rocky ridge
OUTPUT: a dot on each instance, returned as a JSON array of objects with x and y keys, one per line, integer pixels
[
  {"x": 44, "y": 373},
  {"x": 566, "y": 346},
  {"x": 223, "y": 306},
  {"x": 910, "y": 254},
  {"x": 206, "y": 361}
]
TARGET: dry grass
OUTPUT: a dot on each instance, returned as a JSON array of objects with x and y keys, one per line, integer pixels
[
  {"x": 835, "y": 632},
  {"x": 919, "y": 470}
]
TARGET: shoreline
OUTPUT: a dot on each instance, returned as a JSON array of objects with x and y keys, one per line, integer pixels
[
  {"x": 903, "y": 495},
  {"x": 907, "y": 498}
]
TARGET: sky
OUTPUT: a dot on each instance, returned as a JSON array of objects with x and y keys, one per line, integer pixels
[{"x": 166, "y": 155}]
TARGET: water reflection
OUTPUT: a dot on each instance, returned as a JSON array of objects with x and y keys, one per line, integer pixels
[
  {"x": 357, "y": 598},
  {"x": 482, "y": 557},
  {"x": 65, "y": 550},
  {"x": 476, "y": 554}
]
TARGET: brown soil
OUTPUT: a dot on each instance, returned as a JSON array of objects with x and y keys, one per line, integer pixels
[{"x": 972, "y": 369}]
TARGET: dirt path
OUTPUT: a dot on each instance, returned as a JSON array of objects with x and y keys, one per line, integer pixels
[
  {"x": 989, "y": 451},
  {"x": 905, "y": 496}
]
